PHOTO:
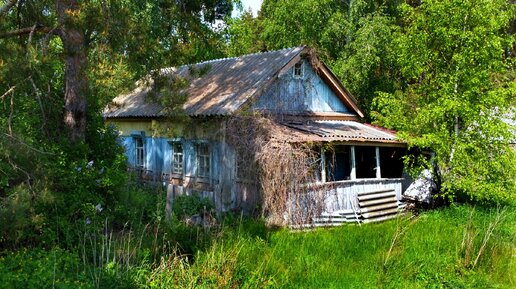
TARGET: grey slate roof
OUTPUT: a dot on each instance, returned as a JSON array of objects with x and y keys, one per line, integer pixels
[
  {"x": 326, "y": 131},
  {"x": 227, "y": 85}
]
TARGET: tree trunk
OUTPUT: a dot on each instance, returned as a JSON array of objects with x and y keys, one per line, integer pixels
[{"x": 75, "y": 82}]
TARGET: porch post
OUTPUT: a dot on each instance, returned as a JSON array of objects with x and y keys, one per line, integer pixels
[
  {"x": 323, "y": 165},
  {"x": 353, "y": 174},
  {"x": 378, "y": 171}
]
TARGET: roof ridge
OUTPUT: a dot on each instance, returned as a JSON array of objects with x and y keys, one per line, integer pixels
[{"x": 171, "y": 68}]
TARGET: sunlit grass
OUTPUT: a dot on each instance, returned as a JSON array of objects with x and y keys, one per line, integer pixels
[{"x": 445, "y": 248}]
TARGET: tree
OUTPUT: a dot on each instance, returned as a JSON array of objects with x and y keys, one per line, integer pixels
[
  {"x": 243, "y": 34},
  {"x": 60, "y": 63},
  {"x": 455, "y": 89},
  {"x": 83, "y": 27}
]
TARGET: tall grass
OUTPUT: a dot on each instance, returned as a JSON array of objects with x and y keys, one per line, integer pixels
[
  {"x": 455, "y": 247},
  {"x": 412, "y": 252}
]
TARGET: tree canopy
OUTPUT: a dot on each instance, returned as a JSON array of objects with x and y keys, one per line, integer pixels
[
  {"x": 457, "y": 88},
  {"x": 60, "y": 63},
  {"x": 439, "y": 72},
  {"x": 82, "y": 36}
]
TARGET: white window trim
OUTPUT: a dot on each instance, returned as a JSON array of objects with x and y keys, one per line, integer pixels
[{"x": 173, "y": 162}]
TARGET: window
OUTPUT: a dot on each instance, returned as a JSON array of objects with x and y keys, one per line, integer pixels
[
  {"x": 365, "y": 159},
  {"x": 203, "y": 160},
  {"x": 298, "y": 70},
  {"x": 177, "y": 158},
  {"x": 391, "y": 161},
  {"x": 338, "y": 164},
  {"x": 139, "y": 151}
]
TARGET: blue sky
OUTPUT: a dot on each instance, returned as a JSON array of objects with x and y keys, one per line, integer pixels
[{"x": 254, "y": 4}]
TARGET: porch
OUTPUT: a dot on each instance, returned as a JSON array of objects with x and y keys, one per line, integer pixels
[{"x": 353, "y": 201}]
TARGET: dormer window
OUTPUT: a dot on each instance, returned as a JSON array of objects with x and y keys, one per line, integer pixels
[{"x": 299, "y": 70}]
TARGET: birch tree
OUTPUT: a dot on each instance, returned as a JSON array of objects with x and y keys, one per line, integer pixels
[{"x": 455, "y": 90}]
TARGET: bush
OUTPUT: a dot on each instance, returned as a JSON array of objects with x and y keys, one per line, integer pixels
[
  {"x": 38, "y": 268},
  {"x": 138, "y": 205},
  {"x": 185, "y": 206}
]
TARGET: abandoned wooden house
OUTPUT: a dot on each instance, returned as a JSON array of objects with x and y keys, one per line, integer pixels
[{"x": 361, "y": 173}]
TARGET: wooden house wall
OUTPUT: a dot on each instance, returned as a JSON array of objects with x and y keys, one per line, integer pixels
[
  {"x": 126, "y": 127},
  {"x": 291, "y": 95},
  {"x": 158, "y": 156},
  {"x": 221, "y": 187}
]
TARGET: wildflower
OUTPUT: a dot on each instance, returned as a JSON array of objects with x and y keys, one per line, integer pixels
[
  {"x": 88, "y": 221},
  {"x": 99, "y": 208},
  {"x": 89, "y": 165}
]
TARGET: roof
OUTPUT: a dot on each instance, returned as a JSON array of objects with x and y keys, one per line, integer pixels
[
  {"x": 225, "y": 87},
  {"x": 349, "y": 131}
]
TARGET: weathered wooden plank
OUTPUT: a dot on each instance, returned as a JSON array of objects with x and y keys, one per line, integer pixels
[
  {"x": 383, "y": 218},
  {"x": 375, "y": 192},
  {"x": 376, "y": 196},
  {"x": 330, "y": 220},
  {"x": 378, "y": 207},
  {"x": 378, "y": 201},
  {"x": 378, "y": 167},
  {"x": 379, "y": 213},
  {"x": 299, "y": 95}
]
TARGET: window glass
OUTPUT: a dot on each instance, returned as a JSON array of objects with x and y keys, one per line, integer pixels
[
  {"x": 177, "y": 158},
  {"x": 365, "y": 158},
  {"x": 391, "y": 162},
  {"x": 298, "y": 70},
  {"x": 203, "y": 160},
  {"x": 139, "y": 152},
  {"x": 338, "y": 162}
]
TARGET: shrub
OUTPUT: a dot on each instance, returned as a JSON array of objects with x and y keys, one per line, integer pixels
[
  {"x": 38, "y": 268},
  {"x": 185, "y": 206}
]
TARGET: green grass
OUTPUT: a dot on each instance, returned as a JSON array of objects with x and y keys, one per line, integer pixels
[
  {"x": 443, "y": 248},
  {"x": 427, "y": 253}
]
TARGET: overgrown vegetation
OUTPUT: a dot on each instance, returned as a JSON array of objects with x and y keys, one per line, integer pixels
[
  {"x": 284, "y": 169},
  {"x": 70, "y": 215},
  {"x": 458, "y": 91},
  {"x": 455, "y": 247}
]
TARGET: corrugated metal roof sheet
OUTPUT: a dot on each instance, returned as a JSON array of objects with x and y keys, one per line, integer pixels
[
  {"x": 326, "y": 131},
  {"x": 227, "y": 84}
]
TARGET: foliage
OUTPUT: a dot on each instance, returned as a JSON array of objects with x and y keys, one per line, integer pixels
[
  {"x": 243, "y": 34},
  {"x": 37, "y": 268},
  {"x": 431, "y": 252},
  {"x": 454, "y": 92},
  {"x": 186, "y": 206},
  {"x": 137, "y": 205},
  {"x": 53, "y": 182},
  {"x": 428, "y": 254}
]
